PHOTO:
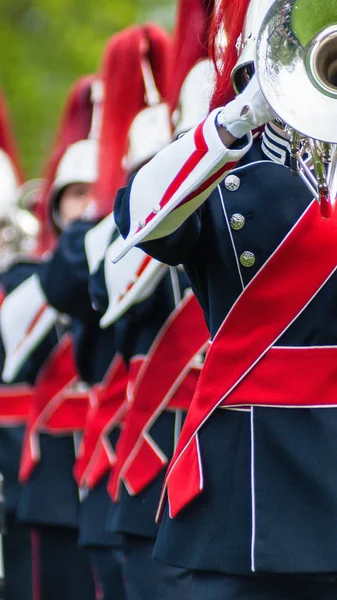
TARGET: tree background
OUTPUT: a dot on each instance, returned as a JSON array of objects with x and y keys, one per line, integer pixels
[{"x": 45, "y": 45}]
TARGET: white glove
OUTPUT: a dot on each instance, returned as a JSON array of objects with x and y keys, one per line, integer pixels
[{"x": 248, "y": 111}]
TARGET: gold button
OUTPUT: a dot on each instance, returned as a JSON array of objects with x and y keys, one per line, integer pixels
[
  {"x": 237, "y": 221},
  {"x": 232, "y": 183},
  {"x": 247, "y": 259}
]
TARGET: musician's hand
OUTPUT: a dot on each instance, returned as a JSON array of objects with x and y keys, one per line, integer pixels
[{"x": 248, "y": 111}]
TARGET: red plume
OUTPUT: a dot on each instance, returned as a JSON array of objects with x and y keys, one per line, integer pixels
[
  {"x": 229, "y": 17},
  {"x": 7, "y": 143},
  {"x": 124, "y": 98},
  {"x": 190, "y": 42},
  {"x": 74, "y": 126}
]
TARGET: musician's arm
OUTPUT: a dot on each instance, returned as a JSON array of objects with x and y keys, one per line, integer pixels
[
  {"x": 65, "y": 276},
  {"x": 169, "y": 189}
]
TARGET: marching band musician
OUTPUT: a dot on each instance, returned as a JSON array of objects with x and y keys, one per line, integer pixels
[
  {"x": 98, "y": 361},
  {"x": 65, "y": 283},
  {"x": 49, "y": 500},
  {"x": 163, "y": 332},
  {"x": 16, "y": 543},
  {"x": 249, "y": 503},
  {"x": 64, "y": 280}
]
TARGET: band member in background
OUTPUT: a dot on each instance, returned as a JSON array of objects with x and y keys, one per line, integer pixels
[
  {"x": 16, "y": 543},
  {"x": 250, "y": 495},
  {"x": 163, "y": 332},
  {"x": 49, "y": 500},
  {"x": 65, "y": 282},
  {"x": 101, "y": 367}
]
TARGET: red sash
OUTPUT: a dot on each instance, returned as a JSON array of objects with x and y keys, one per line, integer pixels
[
  {"x": 309, "y": 377},
  {"x": 280, "y": 291},
  {"x": 54, "y": 407},
  {"x": 14, "y": 399},
  {"x": 14, "y": 404},
  {"x": 139, "y": 460},
  {"x": 108, "y": 405}
]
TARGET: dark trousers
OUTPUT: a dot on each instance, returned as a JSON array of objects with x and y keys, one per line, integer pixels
[
  {"x": 107, "y": 566},
  {"x": 17, "y": 560},
  {"x": 209, "y": 586},
  {"x": 65, "y": 570},
  {"x": 148, "y": 579}
]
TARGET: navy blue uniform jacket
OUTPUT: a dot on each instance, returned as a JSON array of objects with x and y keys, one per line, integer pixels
[
  {"x": 135, "y": 515},
  {"x": 65, "y": 280},
  {"x": 270, "y": 498}
]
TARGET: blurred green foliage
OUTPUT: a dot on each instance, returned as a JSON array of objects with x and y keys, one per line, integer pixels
[{"x": 45, "y": 45}]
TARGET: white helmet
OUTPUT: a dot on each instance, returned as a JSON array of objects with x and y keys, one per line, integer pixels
[
  {"x": 149, "y": 133},
  {"x": 194, "y": 97},
  {"x": 8, "y": 186},
  {"x": 246, "y": 44},
  {"x": 150, "y": 130},
  {"x": 79, "y": 164}
]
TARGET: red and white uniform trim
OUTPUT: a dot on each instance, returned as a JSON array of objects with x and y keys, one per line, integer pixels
[
  {"x": 130, "y": 281},
  {"x": 25, "y": 320},
  {"x": 97, "y": 241},
  {"x": 14, "y": 404},
  {"x": 267, "y": 307},
  {"x": 57, "y": 407},
  {"x": 108, "y": 405},
  {"x": 168, "y": 189},
  {"x": 166, "y": 378}
]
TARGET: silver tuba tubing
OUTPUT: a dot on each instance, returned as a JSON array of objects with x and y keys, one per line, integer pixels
[{"x": 296, "y": 65}]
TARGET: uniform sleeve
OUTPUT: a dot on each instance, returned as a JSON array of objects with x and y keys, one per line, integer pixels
[
  {"x": 97, "y": 289},
  {"x": 97, "y": 242},
  {"x": 27, "y": 324},
  {"x": 174, "y": 184},
  {"x": 65, "y": 277},
  {"x": 173, "y": 249}
]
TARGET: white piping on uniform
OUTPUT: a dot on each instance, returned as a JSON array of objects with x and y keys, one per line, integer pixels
[
  {"x": 253, "y": 164},
  {"x": 175, "y": 285},
  {"x": 177, "y": 299},
  {"x": 269, "y": 133},
  {"x": 252, "y": 474},
  {"x": 231, "y": 236},
  {"x": 201, "y": 475},
  {"x": 269, "y": 150},
  {"x": 252, "y": 483},
  {"x": 237, "y": 409},
  {"x": 252, "y": 469},
  {"x": 177, "y": 426}
]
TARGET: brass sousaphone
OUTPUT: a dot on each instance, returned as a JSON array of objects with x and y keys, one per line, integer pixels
[{"x": 296, "y": 65}]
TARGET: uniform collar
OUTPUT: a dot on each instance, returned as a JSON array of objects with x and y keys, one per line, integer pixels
[{"x": 274, "y": 146}]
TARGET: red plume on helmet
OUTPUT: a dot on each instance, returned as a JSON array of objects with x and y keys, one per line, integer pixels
[
  {"x": 229, "y": 17},
  {"x": 7, "y": 143},
  {"x": 124, "y": 98},
  {"x": 75, "y": 125},
  {"x": 190, "y": 42}
]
